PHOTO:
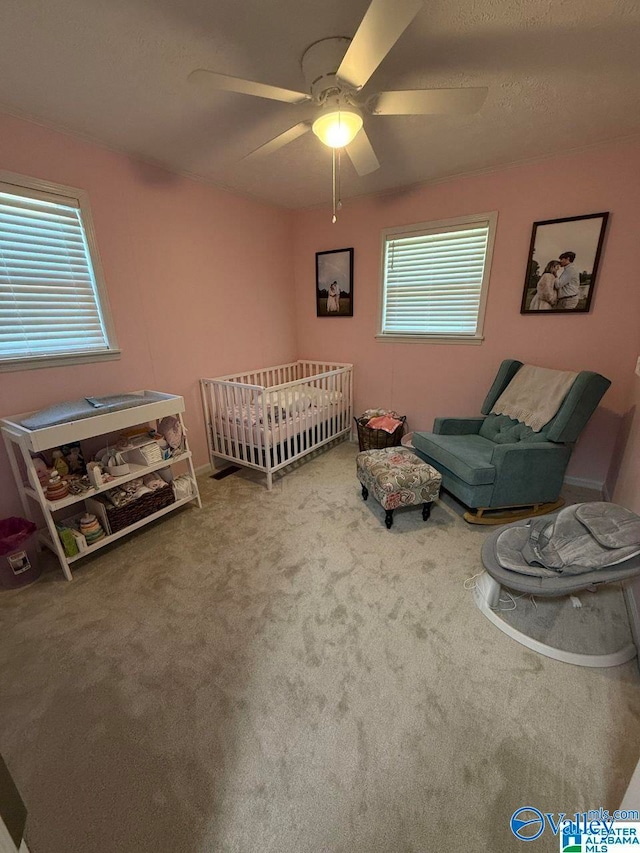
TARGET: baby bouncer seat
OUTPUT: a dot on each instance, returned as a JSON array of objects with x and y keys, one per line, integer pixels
[{"x": 580, "y": 547}]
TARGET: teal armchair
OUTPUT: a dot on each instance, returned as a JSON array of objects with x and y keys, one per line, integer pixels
[{"x": 495, "y": 462}]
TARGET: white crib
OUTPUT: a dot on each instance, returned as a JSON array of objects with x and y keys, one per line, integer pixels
[{"x": 269, "y": 418}]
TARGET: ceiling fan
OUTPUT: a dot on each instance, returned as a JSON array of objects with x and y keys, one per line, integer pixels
[{"x": 335, "y": 71}]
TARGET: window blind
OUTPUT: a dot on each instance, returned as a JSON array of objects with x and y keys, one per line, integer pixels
[
  {"x": 48, "y": 297},
  {"x": 433, "y": 281}
]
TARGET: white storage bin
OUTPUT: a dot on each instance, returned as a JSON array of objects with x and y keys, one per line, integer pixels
[{"x": 146, "y": 454}]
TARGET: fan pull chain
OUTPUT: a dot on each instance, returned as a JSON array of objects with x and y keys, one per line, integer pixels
[
  {"x": 339, "y": 204},
  {"x": 334, "y": 218}
]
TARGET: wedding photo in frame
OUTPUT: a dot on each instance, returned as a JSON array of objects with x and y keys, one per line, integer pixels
[
  {"x": 563, "y": 263},
  {"x": 334, "y": 283}
]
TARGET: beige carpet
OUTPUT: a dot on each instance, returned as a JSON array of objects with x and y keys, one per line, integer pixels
[{"x": 278, "y": 673}]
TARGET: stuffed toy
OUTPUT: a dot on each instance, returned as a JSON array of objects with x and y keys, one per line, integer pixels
[{"x": 170, "y": 429}]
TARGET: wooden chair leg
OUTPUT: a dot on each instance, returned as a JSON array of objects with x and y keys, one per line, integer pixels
[
  {"x": 365, "y": 493},
  {"x": 388, "y": 519},
  {"x": 426, "y": 510}
]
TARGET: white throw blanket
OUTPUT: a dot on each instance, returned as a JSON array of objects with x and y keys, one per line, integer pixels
[{"x": 534, "y": 395}]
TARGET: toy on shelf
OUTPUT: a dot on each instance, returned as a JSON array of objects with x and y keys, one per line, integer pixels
[
  {"x": 73, "y": 457},
  {"x": 91, "y": 528},
  {"x": 171, "y": 430},
  {"x": 56, "y": 488},
  {"x": 42, "y": 470},
  {"x": 68, "y": 540},
  {"x": 116, "y": 464},
  {"x": 59, "y": 463},
  {"x": 94, "y": 473},
  {"x": 78, "y": 485}
]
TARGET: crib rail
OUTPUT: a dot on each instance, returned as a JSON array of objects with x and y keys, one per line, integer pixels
[{"x": 268, "y": 418}]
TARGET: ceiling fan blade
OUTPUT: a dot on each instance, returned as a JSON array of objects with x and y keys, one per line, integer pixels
[
  {"x": 428, "y": 102},
  {"x": 362, "y": 154},
  {"x": 225, "y": 83},
  {"x": 383, "y": 24},
  {"x": 278, "y": 141}
]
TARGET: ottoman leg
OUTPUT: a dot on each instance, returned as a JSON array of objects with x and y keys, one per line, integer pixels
[
  {"x": 365, "y": 493},
  {"x": 388, "y": 519},
  {"x": 426, "y": 510}
]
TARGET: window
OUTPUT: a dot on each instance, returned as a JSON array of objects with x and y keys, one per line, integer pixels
[
  {"x": 53, "y": 308},
  {"x": 434, "y": 279}
]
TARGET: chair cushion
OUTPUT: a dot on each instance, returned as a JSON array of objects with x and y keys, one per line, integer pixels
[
  {"x": 467, "y": 456},
  {"x": 502, "y": 429}
]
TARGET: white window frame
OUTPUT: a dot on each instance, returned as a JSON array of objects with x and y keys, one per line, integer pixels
[
  {"x": 441, "y": 225},
  {"x": 81, "y": 198}
]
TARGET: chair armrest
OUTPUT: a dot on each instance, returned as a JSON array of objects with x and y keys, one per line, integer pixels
[
  {"x": 457, "y": 426},
  {"x": 508, "y": 455},
  {"x": 528, "y": 472}
]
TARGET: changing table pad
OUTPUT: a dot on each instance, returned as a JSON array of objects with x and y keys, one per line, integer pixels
[{"x": 76, "y": 410}]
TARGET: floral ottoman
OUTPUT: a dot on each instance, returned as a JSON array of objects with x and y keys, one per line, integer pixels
[{"x": 397, "y": 477}]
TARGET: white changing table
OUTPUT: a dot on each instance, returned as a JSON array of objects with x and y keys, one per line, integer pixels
[{"x": 20, "y": 442}]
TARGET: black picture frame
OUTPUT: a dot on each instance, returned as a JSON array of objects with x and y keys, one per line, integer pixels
[
  {"x": 586, "y": 242},
  {"x": 334, "y": 269}
]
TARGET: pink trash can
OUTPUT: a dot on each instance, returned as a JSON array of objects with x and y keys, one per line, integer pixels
[{"x": 19, "y": 558}]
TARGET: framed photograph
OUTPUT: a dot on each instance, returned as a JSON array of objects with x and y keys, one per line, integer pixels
[
  {"x": 334, "y": 283},
  {"x": 563, "y": 264}
]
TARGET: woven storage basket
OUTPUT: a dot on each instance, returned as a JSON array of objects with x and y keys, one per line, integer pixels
[
  {"x": 376, "y": 439},
  {"x": 122, "y": 516}
]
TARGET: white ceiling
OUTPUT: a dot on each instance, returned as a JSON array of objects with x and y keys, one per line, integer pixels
[{"x": 562, "y": 74}]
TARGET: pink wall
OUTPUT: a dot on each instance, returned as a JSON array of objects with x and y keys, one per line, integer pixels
[
  {"x": 199, "y": 280},
  {"x": 627, "y": 481},
  {"x": 425, "y": 380}
]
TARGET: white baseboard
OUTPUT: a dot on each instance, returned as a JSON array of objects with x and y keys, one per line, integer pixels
[
  {"x": 201, "y": 470},
  {"x": 594, "y": 485}
]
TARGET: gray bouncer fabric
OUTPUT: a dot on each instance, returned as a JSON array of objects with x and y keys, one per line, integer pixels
[{"x": 566, "y": 551}]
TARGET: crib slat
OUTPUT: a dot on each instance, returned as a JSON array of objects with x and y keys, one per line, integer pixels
[
  {"x": 346, "y": 408},
  {"x": 248, "y": 435},
  {"x": 325, "y": 408},
  {"x": 222, "y": 419},
  {"x": 208, "y": 417},
  {"x": 268, "y": 461},
  {"x": 279, "y": 427},
  {"x": 231, "y": 419},
  {"x": 315, "y": 435},
  {"x": 213, "y": 387},
  {"x": 215, "y": 417},
  {"x": 333, "y": 404},
  {"x": 255, "y": 397},
  {"x": 240, "y": 434}
]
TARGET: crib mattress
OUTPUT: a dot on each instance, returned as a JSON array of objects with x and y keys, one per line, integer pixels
[{"x": 247, "y": 430}]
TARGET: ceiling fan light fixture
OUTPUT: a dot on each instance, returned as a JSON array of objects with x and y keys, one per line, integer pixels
[{"x": 338, "y": 127}]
